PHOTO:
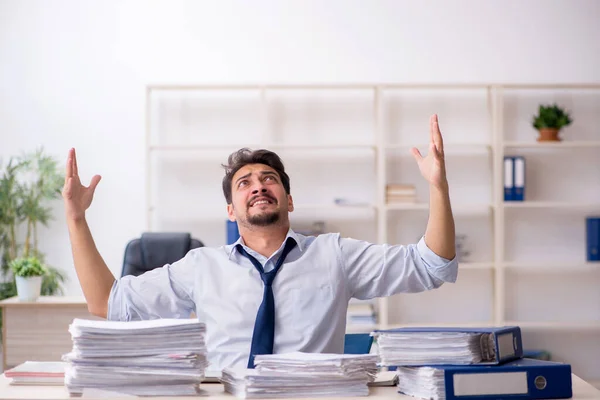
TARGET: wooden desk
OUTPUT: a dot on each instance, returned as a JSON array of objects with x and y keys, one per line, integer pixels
[
  {"x": 581, "y": 391},
  {"x": 38, "y": 330}
]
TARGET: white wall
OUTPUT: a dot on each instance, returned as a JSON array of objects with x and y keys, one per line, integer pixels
[{"x": 72, "y": 73}]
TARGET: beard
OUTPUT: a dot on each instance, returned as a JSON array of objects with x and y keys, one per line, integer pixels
[{"x": 264, "y": 219}]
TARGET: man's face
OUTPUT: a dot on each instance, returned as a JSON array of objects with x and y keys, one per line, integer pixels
[{"x": 258, "y": 197}]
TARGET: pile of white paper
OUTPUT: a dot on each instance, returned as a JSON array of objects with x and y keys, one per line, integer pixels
[
  {"x": 424, "y": 382},
  {"x": 303, "y": 375},
  {"x": 155, "y": 357},
  {"x": 431, "y": 348}
]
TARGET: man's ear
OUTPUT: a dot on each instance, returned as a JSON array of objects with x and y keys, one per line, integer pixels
[
  {"x": 230, "y": 213},
  {"x": 290, "y": 203}
]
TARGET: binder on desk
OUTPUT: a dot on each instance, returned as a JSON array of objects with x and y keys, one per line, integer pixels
[
  {"x": 508, "y": 178},
  {"x": 520, "y": 379},
  {"x": 418, "y": 346},
  {"x": 519, "y": 178}
]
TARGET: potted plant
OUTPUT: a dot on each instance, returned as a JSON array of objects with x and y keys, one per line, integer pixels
[
  {"x": 28, "y": 272},
  {"x": 28, "y": 186},
  {"x": 549, "y": 121}
]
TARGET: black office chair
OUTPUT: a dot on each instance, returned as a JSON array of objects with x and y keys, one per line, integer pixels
[{"x": 155, "y": 249}]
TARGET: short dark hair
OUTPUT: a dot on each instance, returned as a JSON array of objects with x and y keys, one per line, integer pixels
[{"x": 245, "y": 156}]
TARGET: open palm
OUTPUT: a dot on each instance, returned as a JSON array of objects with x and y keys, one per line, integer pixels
[
  {"x": 77, "y": 198},
  {"x": 432, "y": 166}
]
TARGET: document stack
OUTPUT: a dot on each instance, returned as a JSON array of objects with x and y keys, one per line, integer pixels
[
  {"x": 517, "y": 379},
  {"x": 361, "y": 314},
  {"x": 431, "y": 346},
  {"x": 453, "y": 363},
  {"x": 142, "y": 358},
  {"x": 398, "y": 194},
  {"x": 37, "y": 373},
  {"x": 303, "y": 375}
]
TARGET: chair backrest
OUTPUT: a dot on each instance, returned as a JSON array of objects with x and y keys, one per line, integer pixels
[
  {"x": 155, "y": 249},
  {"x": 357, "y": 343}
]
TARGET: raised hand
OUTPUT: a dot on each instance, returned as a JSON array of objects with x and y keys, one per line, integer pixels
[
  {"x": 77, "y": 198},
  {"x": 432, "y": 166}
]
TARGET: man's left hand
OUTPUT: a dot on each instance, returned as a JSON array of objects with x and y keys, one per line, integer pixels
[{"x": 433, "y": 166}]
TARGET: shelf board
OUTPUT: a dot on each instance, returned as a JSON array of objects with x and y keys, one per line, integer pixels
[
  {"x": 554, "y": 145},
  {"x": 464, "y": 208},
  {"x": 556, "y": 325},
  {"x": 449, "y": 148},
  {"x": 278, "y": 146},
  {"x": 334, "y": 207},
  {"x": 201, "y": 147},
  {"x": 476, "y": 265},
  {"x": 407, "y": 206},
  {"x": 324, "y": 146},
  {"x": 549, "y": 204},
  {"x": 553, "y": 267}
]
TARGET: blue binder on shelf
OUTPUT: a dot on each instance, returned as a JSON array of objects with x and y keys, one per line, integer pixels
[
  {"x": 509, "y": 178},
  {"x": 519, "y": 178},
  {"x": 233, "y": 234},
  {"x": 592, "y": 238},
  {"x": 520, "y": 379},
  {"x": 507, "y": 340}
]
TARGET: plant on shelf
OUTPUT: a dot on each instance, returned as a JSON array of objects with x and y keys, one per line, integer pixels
[
  {"x": 28, "y": 185},
  {"x": 549, "y": 121},
  {"x": 28, "y": 272}
]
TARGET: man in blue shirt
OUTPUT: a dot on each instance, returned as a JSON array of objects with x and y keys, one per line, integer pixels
[{"x": 274, "y": 290}]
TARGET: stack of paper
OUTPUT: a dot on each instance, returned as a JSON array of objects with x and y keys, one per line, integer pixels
[
  {"x": 512, "y": 379},
  {"x": 303, "y": 375},
  {"x": 37, "y": 373},
  {"x": 155, "y": 357},
  {"x": 424, "y": 382},
  {"x": 399, "y": 193},
  {"x": 430, "y": 348}
]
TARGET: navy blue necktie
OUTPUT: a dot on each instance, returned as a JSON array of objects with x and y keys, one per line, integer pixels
[{"x": 264, "y": 327}]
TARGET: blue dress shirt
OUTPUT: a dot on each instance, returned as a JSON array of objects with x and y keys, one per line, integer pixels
[{"x": 312, "y": 290}]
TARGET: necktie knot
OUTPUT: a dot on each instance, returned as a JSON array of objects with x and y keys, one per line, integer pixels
[{"x": 268, "y": 277}]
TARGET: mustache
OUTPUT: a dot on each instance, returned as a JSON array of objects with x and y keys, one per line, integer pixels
[{"x": 274, "y": 200}]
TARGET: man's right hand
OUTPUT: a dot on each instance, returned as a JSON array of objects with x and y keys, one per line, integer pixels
[{"x": 77, "y": 198}]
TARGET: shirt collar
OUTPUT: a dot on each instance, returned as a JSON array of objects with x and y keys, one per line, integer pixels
[{"x": 290, "y": 234}]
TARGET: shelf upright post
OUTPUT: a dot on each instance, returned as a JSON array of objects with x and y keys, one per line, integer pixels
[
  {"x": 380, "y": 154},
  {"x": 498, "y": 193}
]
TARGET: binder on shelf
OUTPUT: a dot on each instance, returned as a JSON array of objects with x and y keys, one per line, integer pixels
[
  {"x": 418, "y": 346},
  {"x": 592, "y": 238},
  {"x": 508, "y": 178},
  {"x": 519, "y": 179},
  {"x": 233, "y": 234},
  {"x": 520, "y": 379}
]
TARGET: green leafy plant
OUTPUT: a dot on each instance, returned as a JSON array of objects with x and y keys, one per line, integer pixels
[
  {"x": 28, "y": 185},
  {"x": 551, "y": 116},
  {"x": 27, "y": 267}
]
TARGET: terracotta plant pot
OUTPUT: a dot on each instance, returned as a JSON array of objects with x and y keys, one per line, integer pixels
[{"x": 548, "y": 135}]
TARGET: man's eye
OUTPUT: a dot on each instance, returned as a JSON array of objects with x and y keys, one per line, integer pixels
[
  {"x": 270, "y": 178},
  {"x": 243, "y": 183}
]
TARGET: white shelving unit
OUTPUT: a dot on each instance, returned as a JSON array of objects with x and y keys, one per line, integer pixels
[{"x": 527, "y": 265}]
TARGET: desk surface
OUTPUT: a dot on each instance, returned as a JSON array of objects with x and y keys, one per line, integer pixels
[
  {"x": 581, "y": 391},
  {"x": 44, "y": 301}
]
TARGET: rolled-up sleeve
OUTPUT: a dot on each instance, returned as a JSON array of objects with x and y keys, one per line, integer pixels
[
  {"x": 164, "y": 292},
  {"x": 375, "y": 270}
]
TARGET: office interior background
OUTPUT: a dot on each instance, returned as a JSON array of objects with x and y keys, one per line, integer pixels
[{"x": 155, "y": 94}]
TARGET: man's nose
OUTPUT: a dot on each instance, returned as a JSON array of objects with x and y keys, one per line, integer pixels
[{"x": 260, "y": 189}]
